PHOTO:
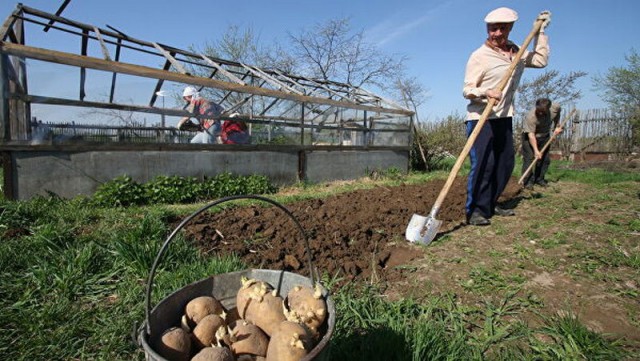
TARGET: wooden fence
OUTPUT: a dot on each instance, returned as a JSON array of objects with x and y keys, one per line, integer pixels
[
  {"x": 592, "y": 134},
  {"x": 595, "y": 131}
]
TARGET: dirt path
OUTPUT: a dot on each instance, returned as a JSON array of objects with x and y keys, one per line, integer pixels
[{"x": 558, "y": 250}]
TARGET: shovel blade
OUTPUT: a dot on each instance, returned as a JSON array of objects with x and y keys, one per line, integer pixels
[{"x": 422, "y": 229}]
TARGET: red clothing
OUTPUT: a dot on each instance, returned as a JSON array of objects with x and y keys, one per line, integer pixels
[
  {"x": 202, "y": 106},
  {"x": 234, "y": 132}
]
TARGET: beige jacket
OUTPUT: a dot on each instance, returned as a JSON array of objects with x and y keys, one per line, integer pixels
[{"x": 485, "y": 69}]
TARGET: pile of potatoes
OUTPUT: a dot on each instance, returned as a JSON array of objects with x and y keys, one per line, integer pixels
[{"x": 262, "y": 327}]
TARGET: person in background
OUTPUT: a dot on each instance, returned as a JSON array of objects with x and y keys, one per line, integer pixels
[
  {"x": 535, "y": 134},
  {"x": 234, "y": 131},
  {"x": 208, "y": 127},
  {"x": 492, "y": 155}
]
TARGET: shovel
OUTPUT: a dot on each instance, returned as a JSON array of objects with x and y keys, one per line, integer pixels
[
  {"x": 424, "y": 229},
  {"x": 546, "y": 145}
]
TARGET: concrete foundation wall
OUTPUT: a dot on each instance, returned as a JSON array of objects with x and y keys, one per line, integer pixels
[
  {"x": 322, "y": 166},
  {"x": 69, "y": 174}
]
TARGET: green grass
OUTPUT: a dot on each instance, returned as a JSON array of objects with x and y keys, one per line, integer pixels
[
  {"x": 560, "y": 170},
  {"x": 573, "y": 341},
  {"x": 73, "y": 280}
]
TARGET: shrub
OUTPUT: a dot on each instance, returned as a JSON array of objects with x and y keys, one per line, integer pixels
[
  {"x": 439, "y": 140},
  {"x": 226, "y": 184},
  {"x": 121, "y": 191},
  {"x": 172, "y": 189}
]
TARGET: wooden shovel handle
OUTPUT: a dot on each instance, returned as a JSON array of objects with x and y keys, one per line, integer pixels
[
  {"x": 546, "y": 145},
  {"x": 483, "y": 119}
]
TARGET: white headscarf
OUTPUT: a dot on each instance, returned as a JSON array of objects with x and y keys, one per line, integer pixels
[{"x": 191, "y": 91}]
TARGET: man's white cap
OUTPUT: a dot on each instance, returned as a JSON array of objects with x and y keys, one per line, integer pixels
[
  {"x": 501, "y": 15},
  {"x": 189, "y": 91}
]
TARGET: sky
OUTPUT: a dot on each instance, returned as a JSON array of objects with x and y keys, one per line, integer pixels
[{"x": 436, "y": 36}]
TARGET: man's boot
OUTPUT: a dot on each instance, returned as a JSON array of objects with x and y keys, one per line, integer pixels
[{"x": 477, "y": 219}]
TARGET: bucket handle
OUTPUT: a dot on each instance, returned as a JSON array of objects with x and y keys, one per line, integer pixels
[{"x": 165, "y": 245}]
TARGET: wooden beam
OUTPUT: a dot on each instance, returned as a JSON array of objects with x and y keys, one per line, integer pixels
[
  {"x": 21, "y": 84},
  {"x": 171, "y": 59},
  {"x": 105, "y": 51},
  {"x": 256, "y": 74},
  {"x": 323, "y": 86},
  {"x": 222, "y": 70},
  {"x": 35, "y": 99},
  {"x": 8, "y": 23},
  {"x": 262, "y": 119},
  {"x": 264, "y": 74},
  {"x": 143, "y": 71},
  {"x": 296, "y": 83},
  {"x": 388, "y": 101},
  {"x": 60, "y": 10},
  {"x": 4, "y": 98}
]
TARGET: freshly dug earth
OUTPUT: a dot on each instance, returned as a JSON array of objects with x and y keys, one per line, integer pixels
[
  {"x": 557, "y": 248},
  {"x": 356, "y": 235}
]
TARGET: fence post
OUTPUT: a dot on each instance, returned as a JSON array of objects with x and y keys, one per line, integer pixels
[{"x": 575, "y": 139}]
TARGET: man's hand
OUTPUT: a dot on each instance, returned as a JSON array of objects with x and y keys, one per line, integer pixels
[
  {"x": 558, "y": 130},
  {"x": 537, "y": 154},
  {"x": 545, "y": 17},
  {"x": 493, "y": 94}
]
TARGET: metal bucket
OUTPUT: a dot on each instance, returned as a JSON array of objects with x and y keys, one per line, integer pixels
[{"x": 224, "y": 287}]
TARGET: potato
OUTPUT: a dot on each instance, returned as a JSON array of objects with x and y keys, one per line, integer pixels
[
  {"x": 214, "y": 354},
  {"x": 250, "y": 289},
  {"x": 306, "y": 305},
  {"x": 258, "y": 303},
  {"x": 200, "y": 307},
  {"x": 291, "y": 341},
  {"x": 174, "y": 344},
  {"x": 204, "y": 335},
  {"x": 248, "y": 339}
]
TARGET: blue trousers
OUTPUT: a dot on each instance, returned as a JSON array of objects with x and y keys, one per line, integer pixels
[{"x": 492, "y": 161}]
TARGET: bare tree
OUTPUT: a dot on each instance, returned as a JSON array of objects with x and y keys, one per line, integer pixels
[
  {"x": 552, "y": 85},
  {"x": 410, "y": 93},
  {"x": 331, "y": 51},
  {"x": 242, "y": 46}
]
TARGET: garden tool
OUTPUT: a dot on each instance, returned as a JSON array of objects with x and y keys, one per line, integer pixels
[{"x": 424, "y": 229}]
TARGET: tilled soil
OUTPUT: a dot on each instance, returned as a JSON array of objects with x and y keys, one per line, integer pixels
[{"x": 354, "y": 235}]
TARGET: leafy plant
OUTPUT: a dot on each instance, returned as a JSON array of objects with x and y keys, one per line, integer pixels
[
  {"x": 172, "y": 189},
  {"x": 121, "y": 191}
]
